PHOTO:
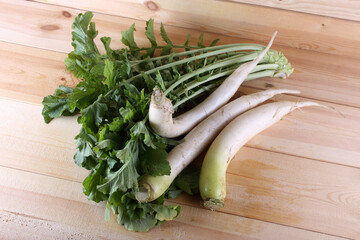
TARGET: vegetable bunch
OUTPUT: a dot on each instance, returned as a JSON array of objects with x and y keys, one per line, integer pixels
[{"x": 116, "y": 142}]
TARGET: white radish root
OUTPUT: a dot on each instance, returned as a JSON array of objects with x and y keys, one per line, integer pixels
[
  {"x": 212, "y": 183},
  {"x": 161, "y": 108},
  {"x": 198, "y": 139}
]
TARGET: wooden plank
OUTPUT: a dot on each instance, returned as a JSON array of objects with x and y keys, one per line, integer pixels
[
  {"x": 35, "y": 61},
  {"x": 47, "y": 207},
  {"x": 48, "y": 150},
  {"x": 292, "y": 191},
  {"x": 295, "y": 134},
  {"x": 316, "y": 74},
  {"x": 337, "y": 139},
  {"x": 29, "y": 74},
  {"x": 319, "y": 75},
  {"x": 313, "y": 32},
  {"x": 344, "y": 9},
  {"x": 334, "y": 202},
  {"x": 273, "y": 187},
  {"x": 27, "y": 143}
]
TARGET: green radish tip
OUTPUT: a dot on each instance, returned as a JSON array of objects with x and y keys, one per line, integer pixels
[{"x": 214, "y": 204}]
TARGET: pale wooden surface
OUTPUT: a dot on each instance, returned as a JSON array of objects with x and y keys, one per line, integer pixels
[
  {"x": 296, "y": 29},
  {"x": 345, "y": 9},
  {"x": 300, "y": 179}
]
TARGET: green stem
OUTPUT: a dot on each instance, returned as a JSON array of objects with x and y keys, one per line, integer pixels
[
  {"x": 255, "y": 75},
  {"x": 222, "y": 63},
  {"x": 201, "y": 90},
  {"x": 242, "y": 46},
  {"x": 194, "y": 58},
  {"x": 195, "y": 83}
]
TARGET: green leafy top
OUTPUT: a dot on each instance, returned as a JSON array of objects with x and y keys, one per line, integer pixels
[{"x": 115, "y": 141}]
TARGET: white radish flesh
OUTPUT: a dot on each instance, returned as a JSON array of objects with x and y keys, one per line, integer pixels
[
  {"x": 161, "y": 108},
  {"x": 198, "y": 139},
  {"x": 212, "y": 182}
]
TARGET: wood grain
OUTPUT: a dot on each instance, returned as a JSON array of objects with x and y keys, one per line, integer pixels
[
  {"x": 28, "y": 143},
  {"x": 344, "y": 9},
  {"x": 335, "y": 199},
  {"x": 35, "y": 205},
  {"x": 292, "y": 191},
  {"x": 298, "y": 179},
  {"x": 321, "y": 76},
  {"x": 313, "y": 32},
  {"x": 338, "y": 142},
  {"x": 337, "y": 139},
  {"x": 29, "y": 74}
]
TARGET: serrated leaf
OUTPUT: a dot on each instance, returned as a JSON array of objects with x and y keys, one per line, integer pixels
[
  {"x": 53, "y": 107},
  {"x": 149, "y": 81},
  {"x": 83, "y": 34},
  {"x": 160, "y": 80},
  {"x": 170, "y": 194},
  {"x": 106, "y": 42},
  {"x": 213, "y": 43},
  {"x": 116, "y": 125},
  {"x": 166, "y": 50},
  {"x": 62, "y": 90},
  {"x": 127, "y": 38},
  {"x": 139, "y": 130},
  {"x": 126, "y": 177},
  {"x": 187, "y": 42},
  {"x": 165, "y": 36},
  {"x": 85, "y": 93},
  {"x": 109, "y": 73},
  {"x": 85, "y": 156},
  {"x": 154, "y": 162},
  {"x": 188, "y": 181},
  {"x": 143, "y": 224},
  {"x": 57, "y": 105},
  {"x": 93, "y": 115},
  {"x": 150, "y": 32},
  {"x": 201, "y": 40},
  {"x": 92, "y": 181},
  {"x": 107, "y": 144},
  {"x": 164, "y": 212},
  {"x": 128, "y": 112}
]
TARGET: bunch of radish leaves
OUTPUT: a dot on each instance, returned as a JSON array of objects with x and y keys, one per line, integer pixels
[{"x": 115, "y": 141}]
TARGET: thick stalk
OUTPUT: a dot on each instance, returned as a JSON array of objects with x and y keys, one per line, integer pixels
[
  {"x": 218, "y": 64},
  {"x": 196, "y": 93},
  {"x": 242, "y": 47},
  {"x": 190, "y": 59},
  {"x": 195, "y": 83},
  {"x": 251, "y": 76}
]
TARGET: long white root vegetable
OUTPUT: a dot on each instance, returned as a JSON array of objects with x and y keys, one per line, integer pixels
[
  {"x": 212, "y": 182},
  {"x": 161, "y": 108},
  {"x": 198, "y": 139}
]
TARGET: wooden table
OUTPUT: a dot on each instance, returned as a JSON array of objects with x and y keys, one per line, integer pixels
[{"x": 300, "y": 179}]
